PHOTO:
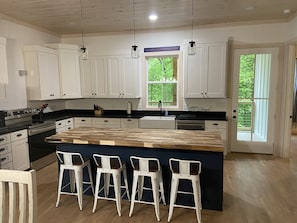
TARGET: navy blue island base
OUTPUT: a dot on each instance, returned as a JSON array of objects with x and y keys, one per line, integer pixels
[{"x": 211, "y": 177}]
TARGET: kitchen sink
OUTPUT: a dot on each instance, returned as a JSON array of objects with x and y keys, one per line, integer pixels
[{"x": 157, "y": 122}]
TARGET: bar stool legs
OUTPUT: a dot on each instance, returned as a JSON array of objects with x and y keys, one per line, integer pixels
[
  {"x": 190, "y": 170},
  {"x": 74, "y": 163},
  {"x": 106, "y": 166},
  {"x": 147, "y": 167}
]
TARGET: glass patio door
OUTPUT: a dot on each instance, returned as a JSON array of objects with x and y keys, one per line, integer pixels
[{"x": 253, "y": 104}]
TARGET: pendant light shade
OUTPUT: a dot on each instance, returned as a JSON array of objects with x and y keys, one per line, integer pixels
[
  {"x": 192, "y": 48},
  {"x": 134, "y": 51}
]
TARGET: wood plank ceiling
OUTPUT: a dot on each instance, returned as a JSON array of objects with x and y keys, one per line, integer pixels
[{"x": 64, "y": 16}]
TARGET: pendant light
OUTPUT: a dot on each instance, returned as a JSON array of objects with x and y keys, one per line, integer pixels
[
  {"x": 192, "y": 43},
  {"x": 83, "y": 49},
  {"x": 134, "y": 48}
]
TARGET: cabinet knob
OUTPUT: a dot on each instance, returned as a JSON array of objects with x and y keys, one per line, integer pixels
[
  {"x": 2, "y": 149},
  {"x": 19, "y": 135}
]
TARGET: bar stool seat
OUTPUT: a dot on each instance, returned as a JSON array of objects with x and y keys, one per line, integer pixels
[
  {"x": 110, "y": 165},
  {"x": 147, "y": 167},
  {"x": 189, "y": 170},
  {"x": 75, "y": 164}
]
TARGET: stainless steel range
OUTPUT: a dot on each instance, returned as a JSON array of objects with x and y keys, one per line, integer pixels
[{"x": 41, "y": 153}]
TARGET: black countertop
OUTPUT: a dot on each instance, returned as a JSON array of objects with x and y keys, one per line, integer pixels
[{"x": 69, "y": 113}]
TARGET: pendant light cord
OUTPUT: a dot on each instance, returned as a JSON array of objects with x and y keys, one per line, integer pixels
[
  {"x": 82, "y": 25},
  {"x": 133, "y": 22},
  {"x": 192, "y": 19}
]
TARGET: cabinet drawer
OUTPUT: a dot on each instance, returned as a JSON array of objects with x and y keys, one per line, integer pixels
[
  {"x": 18, "y": 135},
  {"x": 4, "y": 139},
  {"x": 69, "y": 121},
  {"x": 60, "y": 123},
  {"x": 6, "y": 158},
  {"x": 106, "y": 122},
  {"x": 6, "y": 166},
  {"x": 129, "y": 123},
  {"x": 5, "y": 149},
  {"x": 83, "y": 122},
  {"x": 215, "y": 125}
]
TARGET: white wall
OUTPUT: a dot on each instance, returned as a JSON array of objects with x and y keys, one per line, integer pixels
[
  {"x": 17, "y": 36},
  {"x": 113, "y": 43}
]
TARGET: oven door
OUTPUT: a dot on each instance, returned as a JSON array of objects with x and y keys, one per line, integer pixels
[{"x": 39, "y": 149}]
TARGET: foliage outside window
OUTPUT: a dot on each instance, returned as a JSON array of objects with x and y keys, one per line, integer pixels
[
  {"x": 162, "y": 81},
  {"x": 246, "y": 92}
]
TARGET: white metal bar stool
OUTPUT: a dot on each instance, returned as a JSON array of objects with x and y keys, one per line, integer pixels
[
  {"x": 110, "y": 165},
  {"x": 147, "y": 167},
  {"x": 189, "y": 170},
  {"x": 75, "y": 163}
]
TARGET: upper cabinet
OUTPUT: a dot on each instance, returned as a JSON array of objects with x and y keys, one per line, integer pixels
[
  {"x": 110, "y": 77},
  {"x": 68, "y": 69},
  {"x": 42, "y": 79},
  {"x": 205, "y": 72},
  {"x": 123, "y": 77},
  {"x": 94, "y": 77},
  {"x": 3, "y": 62}
]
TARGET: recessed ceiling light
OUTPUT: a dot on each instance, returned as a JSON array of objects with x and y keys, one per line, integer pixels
[
  {"x": 153, "y": 17},
  {"x": 286, "y": 11}
]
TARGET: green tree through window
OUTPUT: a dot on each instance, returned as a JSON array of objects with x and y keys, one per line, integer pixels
[{"x": 162, "y": 81}]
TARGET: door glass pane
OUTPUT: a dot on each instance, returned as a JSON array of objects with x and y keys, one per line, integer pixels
[{"x": 253, "y": 97}]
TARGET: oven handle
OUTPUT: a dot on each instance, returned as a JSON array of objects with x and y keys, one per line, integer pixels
[{"x": 36, "y": 131}]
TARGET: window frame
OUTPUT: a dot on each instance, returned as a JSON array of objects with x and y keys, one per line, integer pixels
[{"x": 179, "y": 97}]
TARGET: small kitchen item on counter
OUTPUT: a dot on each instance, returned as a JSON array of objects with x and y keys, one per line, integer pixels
[
  {"x": 98, "y": 111},
  {"x": 2, "y": 119},
  {"x": 129, "y": 108}
]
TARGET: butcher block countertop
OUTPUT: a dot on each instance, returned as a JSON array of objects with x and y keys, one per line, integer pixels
[{"x": 147, "y": 138}]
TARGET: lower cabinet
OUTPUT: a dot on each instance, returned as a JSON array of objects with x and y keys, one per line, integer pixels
[
  {"x": 63, "y": 125},
  {"x": 218, "y": 126},
  {"x": 129, "y": 123},
  {"x": 14, "y": 150},
  {"x": 106, "y": 122},
  {"x": 5, "y": 152},
  {"x": 82, "y": 122}
]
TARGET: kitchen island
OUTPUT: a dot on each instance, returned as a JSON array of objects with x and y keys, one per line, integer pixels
[{"x": 204, "y": 146}]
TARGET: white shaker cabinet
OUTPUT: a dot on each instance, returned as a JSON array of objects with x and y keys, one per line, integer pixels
[
  {"x": 205, "y": 72},
  {"x": 42, "y": 79},
  {"x": 110, "y": 77},
  {"x": 218, "y": 126},
  {"x": 20, "y": 150},
  {"x": 94, "y": 77},
  {"x": 123, "y": 77},
  {"x": 3, "y": 62},
  {"x": 5, "y": 152},
  {"x": 69, "y": 69},
  {"x": 64, "y": 124}
]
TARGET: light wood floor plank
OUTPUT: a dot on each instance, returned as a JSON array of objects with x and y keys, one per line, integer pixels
[{"x": 257, "y": 189}]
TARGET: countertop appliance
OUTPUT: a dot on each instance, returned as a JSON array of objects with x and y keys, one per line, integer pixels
[{"x": 41, "y": 153}]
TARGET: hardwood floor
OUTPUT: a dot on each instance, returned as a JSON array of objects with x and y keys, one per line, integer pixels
[{"x": 257, "y": 189}]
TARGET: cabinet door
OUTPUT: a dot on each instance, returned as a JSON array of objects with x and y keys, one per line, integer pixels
[
  {"x": 20, "y": 155},
  {"x": 194, "y": 71},
  {"x": 94, "y": 77},
  {"x": 205, "y": 72},
  {"x": 49, "y": 75},
  {"x": 69, "y": 73},
  {"x": 114, "y": 74},
  {"x": 3, "y": 62},
  {"x": 216, "y": 70},
  {"x": 129, "y": 78}
]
